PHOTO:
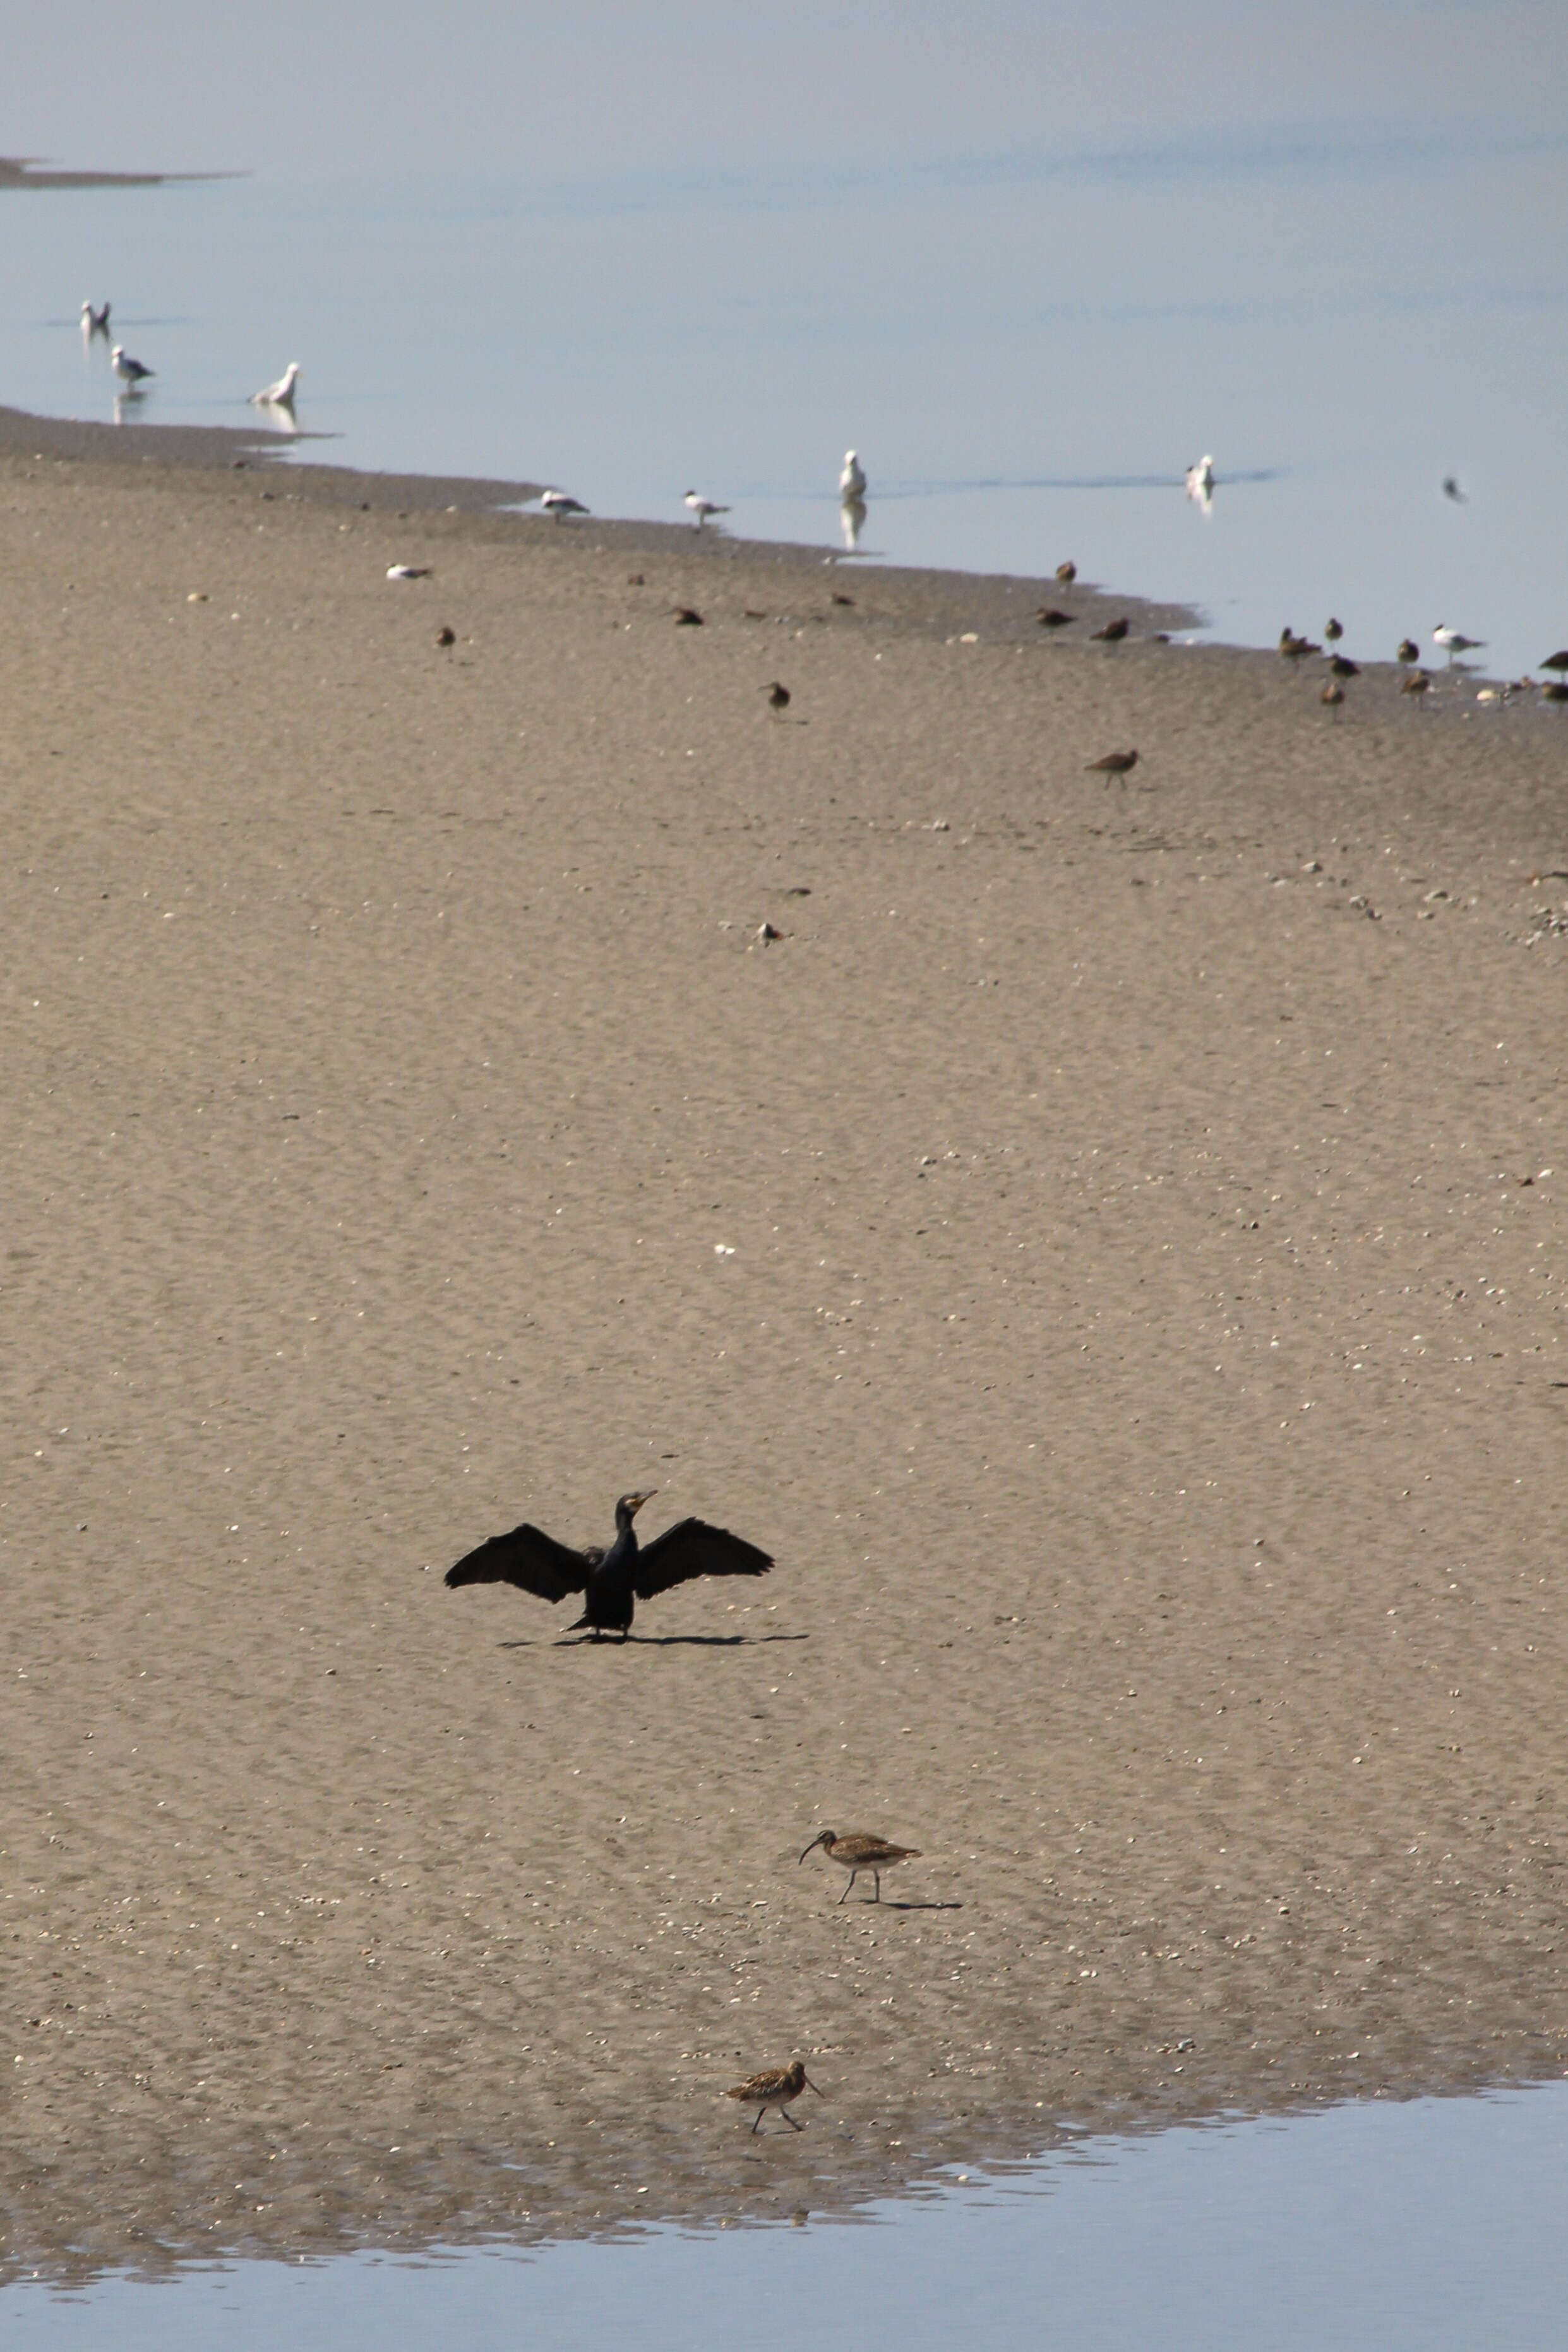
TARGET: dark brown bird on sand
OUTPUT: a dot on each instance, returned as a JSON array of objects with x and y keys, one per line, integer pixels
[
  {"x": 1114, "y": 763},
  {"x": 1415, "y": 681},
  {"x": 1342, "y": 666},
  {"x": 1333, "y": 630},
  {"x": 444, "y": 636},
  {"x": 1555, "y": 692},
  {"x": 1558, "y": 662},
  {"x": 1296, "y": 648},
  {"x": 1408, "y": 652},
  {"x": 1051, "y": 616},
  {"x": 840, "y": 598},
  {"x": 857, "y": 1851},
  {"x": 1333, "y": 695},
  {"x": 612, "y": 1581},
  {"x": 688, "y": 617},
  {"x": 1111, "y": 634},
  {"x": 1067, "y": 574},
  {"x": 778, "y": 696},
  {"x": 775, "y": 2087}
]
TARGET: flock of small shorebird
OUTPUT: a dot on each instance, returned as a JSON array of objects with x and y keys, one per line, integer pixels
[{"x": 611, "y": 1579}]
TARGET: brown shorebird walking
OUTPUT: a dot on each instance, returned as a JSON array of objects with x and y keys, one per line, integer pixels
[
  {"x": 1408, "y": 652},
  {"x": 1558, "y": 662},
  {"x": 778, "y": 696},
  {"x": 1111, "y": 634},
  {"x": 1415, "y": 681},
  {"x": 775, "y": 2086},
  {"x": 1333, "y": 630},
  {"x": 857, "y": 1852},
  {"x": 1342, "y": 666},
  {"x": 688, "y": 617},
  {"x": 1114, "y": 763},
  {"x": 1333, "y": 695},
  {"x": 1051, "y": 616},
  {"x": 1067, "y": 574},
  {"x": 445, "y": 637}
]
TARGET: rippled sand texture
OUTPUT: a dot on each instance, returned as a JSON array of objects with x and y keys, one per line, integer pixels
[{"x": 1104, "y": 1249}]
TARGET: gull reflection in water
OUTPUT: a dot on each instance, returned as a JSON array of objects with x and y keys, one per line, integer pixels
[{"x": 851, "y": 515}]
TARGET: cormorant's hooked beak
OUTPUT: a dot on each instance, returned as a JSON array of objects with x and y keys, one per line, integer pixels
[{"x": 635, "y": 1502}]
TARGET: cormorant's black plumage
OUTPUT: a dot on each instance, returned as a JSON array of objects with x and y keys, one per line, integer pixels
[{"x": 612, "y": 1582}]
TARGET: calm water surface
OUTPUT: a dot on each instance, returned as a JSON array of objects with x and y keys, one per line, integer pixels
[
  {"x": 1435, "y": 2226},
  {"x": 1031, "y": 268}
]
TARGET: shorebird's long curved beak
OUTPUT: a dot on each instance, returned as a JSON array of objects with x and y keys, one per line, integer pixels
[
  {"x": 812, "y": 2087},
  {"x": 820, "y": 1838}
]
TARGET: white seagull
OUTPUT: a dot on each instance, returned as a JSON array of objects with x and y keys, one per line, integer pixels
[
  {"x": 1454, "y": 641},
  {"x": 94, "y": 322},
  {"x": 852, "y": 481},
  {"x": 282, "y": 393},
  {"x": 702, "y": 508},
  {"x": 1200, "y": 483},
  {"x": 131, "y": 371},
  {"x": 556, "y": 503},
  {"x": 410, "y": 571}
]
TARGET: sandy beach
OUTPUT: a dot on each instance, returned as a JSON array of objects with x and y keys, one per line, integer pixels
[{"x": 1107, "y": 1247}]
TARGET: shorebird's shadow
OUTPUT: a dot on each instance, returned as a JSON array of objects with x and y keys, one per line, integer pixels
[
  {"x": 656, "y": 1641},
  {"x": 886, "y": 1905}
]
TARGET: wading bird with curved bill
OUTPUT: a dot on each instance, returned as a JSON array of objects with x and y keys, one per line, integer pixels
[
  {"x": 856, "y": 1852},
  {"x": 612, "y": 1582}
]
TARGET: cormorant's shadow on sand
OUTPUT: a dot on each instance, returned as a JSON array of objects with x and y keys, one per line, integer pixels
[{"x": 660, "y": 1641}]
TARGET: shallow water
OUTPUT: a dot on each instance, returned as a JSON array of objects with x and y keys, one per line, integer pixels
[
  {"x": 1031, "y": 269},
  {"x": 1428, "y": 2225}
]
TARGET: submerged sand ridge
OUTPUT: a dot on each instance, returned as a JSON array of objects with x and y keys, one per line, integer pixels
[{"x": 1089, "y": 1249}]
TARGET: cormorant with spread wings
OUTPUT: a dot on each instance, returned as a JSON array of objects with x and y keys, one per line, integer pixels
[{"x": 612, "y": 1582}]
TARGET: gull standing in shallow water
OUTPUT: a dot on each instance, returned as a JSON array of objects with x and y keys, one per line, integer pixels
[
  {"x": 1200, "y": 484},
  {"x": 282, "y": 393},
  {"x": 702, "y": 508},
  {"x": 131, "y": 373},
  {"x": 94, "y": 322},
  {"x": 852, "y": 481}
]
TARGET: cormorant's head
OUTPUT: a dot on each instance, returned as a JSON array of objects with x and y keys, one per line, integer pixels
[{"x": 629, "y": 1505}]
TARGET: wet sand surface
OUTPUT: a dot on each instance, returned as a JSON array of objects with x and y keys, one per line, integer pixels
[{"x": 1103, "y": 1247}]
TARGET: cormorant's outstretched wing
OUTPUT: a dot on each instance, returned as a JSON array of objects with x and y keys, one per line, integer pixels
[
  {"x": 531, "y": 1560},
  {"x": 691, "y": 1548}
]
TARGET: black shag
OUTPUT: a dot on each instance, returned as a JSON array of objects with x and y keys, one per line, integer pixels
[{"x": 612, "y": 1581}]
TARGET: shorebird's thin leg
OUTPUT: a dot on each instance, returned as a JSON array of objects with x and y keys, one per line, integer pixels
[
  {"x": 790, "y": 2120},
  {"x": 845, "y": 1896},
  {"x": 757, "y": 2124},
  {"x": 876, "y": 1881}
]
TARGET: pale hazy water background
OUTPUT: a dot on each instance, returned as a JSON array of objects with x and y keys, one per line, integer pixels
[
  {"x": 1031, "y": 265},
  {"x": 1433, "y": 2226}
]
